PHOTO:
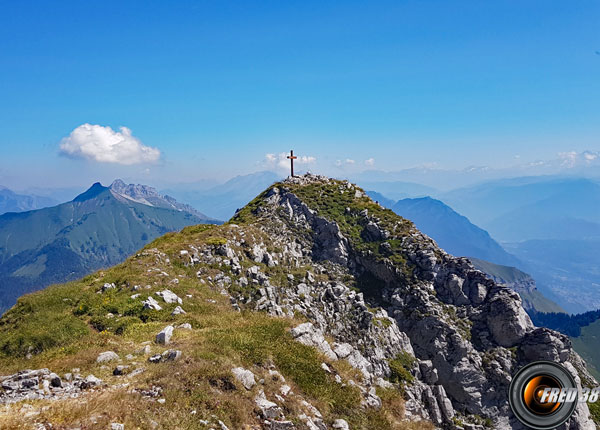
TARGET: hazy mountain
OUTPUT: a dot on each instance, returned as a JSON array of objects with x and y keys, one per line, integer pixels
[
  {"x": 223, "y": 200},
  {"x": 397, "y": 190},
  {"x": 552, "y": 224},
  {"x": 98, "y": 228},
  {"x": 568, "y": 271},
  {"x": 570, "y": 211},
  {"x": 13, "y": 202},
  {"x": 452, "y": 231},
  {"x": 494, "y": 201},
  {"x": 59, "y": 194}
]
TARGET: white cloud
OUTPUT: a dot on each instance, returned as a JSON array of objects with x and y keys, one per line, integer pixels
[
  {"x": 105, "y": 145},
  {"x": 370, "y": 162},
  {"x": 281, "y": 161},
  {"x": 346, "y": 162},
  {"x": 575, "y": 159}
]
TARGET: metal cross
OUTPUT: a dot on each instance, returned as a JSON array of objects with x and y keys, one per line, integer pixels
[{"x": 292, "y": 157}]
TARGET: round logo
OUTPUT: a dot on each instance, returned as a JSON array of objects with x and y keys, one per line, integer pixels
[{"x": 543, "y": 395}]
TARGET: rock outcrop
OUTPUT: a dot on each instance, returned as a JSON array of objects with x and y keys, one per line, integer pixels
[{"x": 467, "y": 333}]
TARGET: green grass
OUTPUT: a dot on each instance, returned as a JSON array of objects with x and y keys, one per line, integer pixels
[
  {"x": 595, "y": 412},
  {"x": 268, "y": 340},
  {"x": 588, "y": 346},
  {"x": 400, "y": 367},
  {"x": 67, "y": 325}
]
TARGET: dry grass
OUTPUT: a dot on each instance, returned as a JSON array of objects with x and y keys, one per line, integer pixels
[{"x": 58, "y": 324}]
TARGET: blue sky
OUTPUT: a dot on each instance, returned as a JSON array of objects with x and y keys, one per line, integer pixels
[{"x": 215, "y": 86}]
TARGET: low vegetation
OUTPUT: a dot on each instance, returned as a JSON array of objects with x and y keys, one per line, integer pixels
[{"x": 66, "y": 326}]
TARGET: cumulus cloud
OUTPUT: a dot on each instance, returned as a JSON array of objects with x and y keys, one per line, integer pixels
[
  {"x": 370, "y": 162},
  {"x": 281, "y": 161},
  {"x": 105, "y": 145}
]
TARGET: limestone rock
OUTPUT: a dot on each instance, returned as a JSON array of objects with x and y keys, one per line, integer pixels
[
  {"x": 107, "y": 356},
  {"x": 150, "y": 303},
  {"x": 244, "y": 376},
  {"x": 169, "y": 297},
  {"x": 307, "y": 334},
  {"x": 178, "y": 311},
  {"x": 268, "y": 409},
  {"x": 164, "y": 337},
  {"x": 340, "y": 424}
]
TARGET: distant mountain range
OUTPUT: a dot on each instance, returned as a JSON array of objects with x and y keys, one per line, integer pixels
[
  {"x": 13, "y": 202},
  {"x": 458, "y": 236},
  {"x": 532, "y": 207},
  {"x": 99, "y": 228},
  {"x": 397, "y": 190},
  {"x": 452, "y": 231},
  {"x": 221, "y": 201},
  {"x": 551, "y": 223},
  {"x": 149, "y": 196}
]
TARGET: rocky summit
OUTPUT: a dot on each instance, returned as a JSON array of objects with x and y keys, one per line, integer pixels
[{"x": 312, "y": 308}]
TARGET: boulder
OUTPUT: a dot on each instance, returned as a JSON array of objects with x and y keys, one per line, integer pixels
[
  {"x": 340, "y": 424},
  {"x": 307, "y": 334},
  {"x": 152, "y": 304},
  {"x": 268, "y": 409},
  {"x": 107, "y": 356},
  {"x": 91, "y": 381},
  {"x": 171, "y": 355},
  {"x": 244, "y": 376},
  {"x": 164, "y": 337},
  {"x": 178, "y": 311},
  {"x": 169, "y": 297}
]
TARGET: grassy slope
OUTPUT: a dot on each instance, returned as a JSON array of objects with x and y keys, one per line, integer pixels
[
  {"x": 65, "y": 326},
  {"x": 72, "y": 239},
  {"x": 588, "y": 346}
]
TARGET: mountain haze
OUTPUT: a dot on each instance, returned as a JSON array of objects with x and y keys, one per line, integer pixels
[
  {"x": 221, "y": 201},
  {"x": 13, "y": 202},
  {"x": 452, "y": 231}
]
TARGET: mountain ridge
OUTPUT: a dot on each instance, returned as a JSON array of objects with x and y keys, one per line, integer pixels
[
  {"x": 452, "y": 231},
  {"x": 96, "y": 229},
  {"x": 364, "y": 317}
]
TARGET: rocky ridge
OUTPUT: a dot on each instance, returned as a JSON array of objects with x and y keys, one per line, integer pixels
[
  {"x": 150, "y": 196},
  {"x": 468, "y": 333},
  {"x": 364, "y": 287}
]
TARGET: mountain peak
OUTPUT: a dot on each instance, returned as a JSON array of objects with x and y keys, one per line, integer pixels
[
  {"x": 149, "y": 196},
  {"x": 96, "y": 189},
  {"x": 136, "y": 192}
]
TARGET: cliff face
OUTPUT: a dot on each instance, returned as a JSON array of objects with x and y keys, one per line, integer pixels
[
  {"x": 388, "y": 312},
  {"x": 469, "y": 334}
]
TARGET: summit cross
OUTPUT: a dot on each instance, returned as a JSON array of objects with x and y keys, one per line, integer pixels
[{"x": 292, "y": 157}]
